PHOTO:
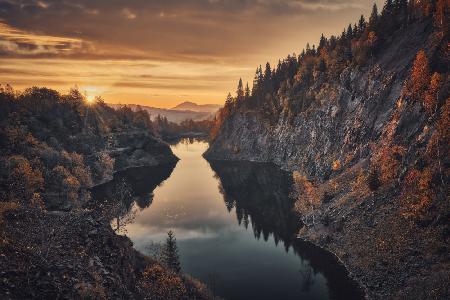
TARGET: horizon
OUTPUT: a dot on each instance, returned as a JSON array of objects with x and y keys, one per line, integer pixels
[{"x": 193, "y": 50}]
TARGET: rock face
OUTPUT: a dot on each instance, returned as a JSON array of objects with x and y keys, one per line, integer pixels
[
  {"x": 331, "y": 146},
  {"x": 138, "y": 149},
  {"x": 349, "y": 114}
]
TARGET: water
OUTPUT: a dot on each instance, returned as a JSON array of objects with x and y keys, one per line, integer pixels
[{"x": 234, "y": 228}]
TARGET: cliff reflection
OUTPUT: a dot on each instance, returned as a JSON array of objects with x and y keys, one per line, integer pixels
[{"x": 260, "y": 195}]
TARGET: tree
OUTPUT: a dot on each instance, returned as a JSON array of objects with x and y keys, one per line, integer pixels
[
  {"x": 322, "y": 42},
  {"x": 240, "y": 90},
  {"x": 247, "y": 91},
  {"x": 441, "y": 15},
  {"x": 430, "y": 100},
  {"x": 373, "y": 20},
  {"x": 118, "y": 207},
  {"x": 361, "y": 24},
  {"x": 349, "y": 32},
  {"x": 267, "y": 73},
  {"x": 229, "y": 101},
  {"x": 103, "y": 166},
  {"x": 170, "y": 255},
  {"x": 420, "y": 76},
  {"x": 24, "y": 180}
]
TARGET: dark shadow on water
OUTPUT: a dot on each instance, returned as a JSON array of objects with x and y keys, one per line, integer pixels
[
  {"x": 260, "y": 193},
  {"x": 142, "y": 182}
]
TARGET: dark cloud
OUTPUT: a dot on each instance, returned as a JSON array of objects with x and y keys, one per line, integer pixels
[{"x": 174, "y": 29}]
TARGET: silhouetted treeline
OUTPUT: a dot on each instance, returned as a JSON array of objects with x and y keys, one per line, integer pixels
[{"x": 169, "y": 130}]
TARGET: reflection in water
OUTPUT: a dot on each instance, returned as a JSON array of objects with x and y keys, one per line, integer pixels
[
  {"x": 235, "y": 228},
  {"x": 259, "y": 193},
  {"x": 142, "y": 181}
]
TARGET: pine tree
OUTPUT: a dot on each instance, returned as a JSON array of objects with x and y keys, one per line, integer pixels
[
  {"x": 349, "y": 32},
  {"x": 373, "y": 20},
  {"x": 247, "y": 91},
  {"x": 267, "y": 73},
  {"x": 170, "y": 255},
  {"x": 361, "y": 24},
  {"x": 240, "y": 90},
  {"x": 322, "y": 42},
  {"x": 229, "y": 100}
]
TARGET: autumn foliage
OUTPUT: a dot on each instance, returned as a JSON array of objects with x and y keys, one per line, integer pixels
[{"x": 416, "y": 195}]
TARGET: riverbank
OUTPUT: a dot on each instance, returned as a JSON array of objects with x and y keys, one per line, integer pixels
[
  {"x": 48, "y": 255},
  {"x": 390, "y": 256}
]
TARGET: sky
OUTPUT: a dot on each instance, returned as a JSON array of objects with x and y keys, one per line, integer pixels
[{"x": 158, "y": 53}]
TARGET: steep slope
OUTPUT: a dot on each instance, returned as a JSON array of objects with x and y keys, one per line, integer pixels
[
  {"x": 367, "y": 151},
  {"x": 347, "y": 115}
]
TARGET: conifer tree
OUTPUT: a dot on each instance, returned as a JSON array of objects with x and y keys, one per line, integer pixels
[
  {"x": 267, "y": 73},
  {"x": 322, "y": 42},
  {"x": 373, "y": 20},
  {"x": 349, "y": 32},
  {"x": 361, "y": 24},
  {"x": 247, "y": 91},
  {"x": 170, "y": 255},
  {"x": 229, "y": 101},
  {"x": 240, "y": 90}
]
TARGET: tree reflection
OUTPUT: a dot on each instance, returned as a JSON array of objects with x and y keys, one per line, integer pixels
[
  {"x": 259, "y": 194},
  {"x": 140, "y": 184}
]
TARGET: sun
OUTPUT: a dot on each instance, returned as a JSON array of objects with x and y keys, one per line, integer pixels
[
  {"x": 90, "y": 99},
  {"x": 91, "y": 93}
]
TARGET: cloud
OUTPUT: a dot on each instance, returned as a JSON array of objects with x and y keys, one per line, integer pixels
[
  {"x": 137, "y": 48},
  {"x": 192, "y": 30},
  {"x": 14, "y": 42},
  {"x": 128, "y": 14}
]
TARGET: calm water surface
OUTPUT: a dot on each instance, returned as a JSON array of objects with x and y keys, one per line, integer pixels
[{"x": 233, "y": 226}]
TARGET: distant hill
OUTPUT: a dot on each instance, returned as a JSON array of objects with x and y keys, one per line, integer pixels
[
  {"x": 211, "y": 108},
  {"x": 176, "y": 114}
]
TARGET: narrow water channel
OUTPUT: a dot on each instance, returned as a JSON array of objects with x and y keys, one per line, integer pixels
[{"x": 234, "y": 228}]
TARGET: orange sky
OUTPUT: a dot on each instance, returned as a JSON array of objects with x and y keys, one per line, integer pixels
[{"x": 158, "y": 53}]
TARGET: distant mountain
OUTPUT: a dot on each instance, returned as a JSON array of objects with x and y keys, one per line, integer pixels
[
  {"x": 211, "y": 108},
  {"x": 174, "y": 115}
]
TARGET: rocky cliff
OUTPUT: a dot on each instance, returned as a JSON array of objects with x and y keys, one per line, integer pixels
[
  {"x": 347, "y": 115},
  {"x": 370, "y": 187},
  {"x": 139, "y": 148}
]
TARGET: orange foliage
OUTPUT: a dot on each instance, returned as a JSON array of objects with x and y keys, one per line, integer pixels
[
  {"x": 336, "y": 165},
  {"x": 416, "y": 193},
  {"x": 442, "y": 7},
  {"x": 388, "y": 159},
  {"x": 308, "y": 196},
  {"x": 23, "y": 178},
  {"x": 440, "y": 140},
  {"x": 163, "y": 284},
  {"x": 430, "y": 99},
  {"x": 420, "y": 76}
]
